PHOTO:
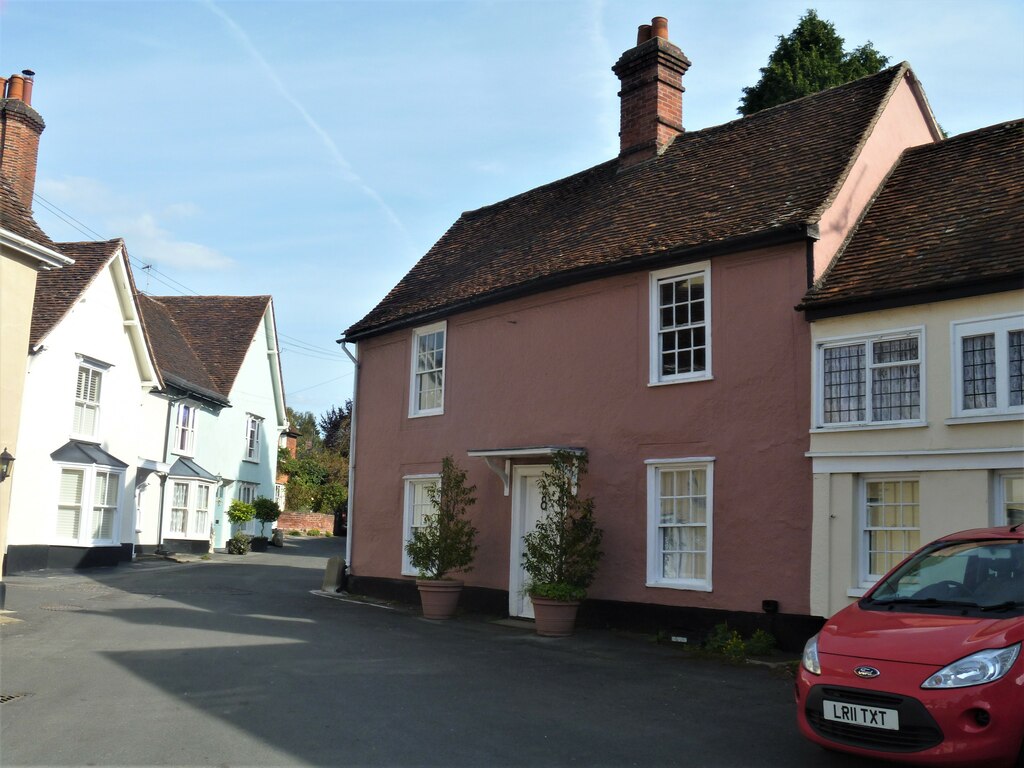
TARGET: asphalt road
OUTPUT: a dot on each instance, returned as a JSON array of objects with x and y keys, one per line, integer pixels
[{"x": 236, "y": 661}]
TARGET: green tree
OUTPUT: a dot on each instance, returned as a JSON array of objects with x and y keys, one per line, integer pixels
[
  {"x": 309, "y": 441},
  {"x": 336, "y": 428},
  {"x": 445, "y": 542},
  {"x": 807, "y": 60},
  {"x": 561, "y": 554}
]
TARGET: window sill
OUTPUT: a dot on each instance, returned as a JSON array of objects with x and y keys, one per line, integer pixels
[
  {"x": 671, "y": 382},
  {"x": 984, "y": 419},
  {"x": 423, "y": 414},
  {"x": 688, "y": 586},
  {"x": 251, "y": 461},
  {"x": 867, "y": 427},
  {"x": 858, "y": 591}
]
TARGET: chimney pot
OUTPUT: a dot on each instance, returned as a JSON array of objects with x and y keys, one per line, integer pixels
[
  {"x": 16, "y": 87},
  {"x": 651, "y": 96},
  {"x": 28, "y": 86},
  {"x": 3, "y": 87}
]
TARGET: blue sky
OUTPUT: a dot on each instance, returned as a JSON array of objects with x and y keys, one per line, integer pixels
[{"x": 315, "y": 150}]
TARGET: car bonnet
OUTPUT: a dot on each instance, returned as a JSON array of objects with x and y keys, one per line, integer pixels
[{"x": 917, "y": 638}]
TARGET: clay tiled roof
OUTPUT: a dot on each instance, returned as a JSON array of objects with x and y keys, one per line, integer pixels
[
  {"x": 771, "y": 172},
  {"x": 58, "y": 290},
  {"x": 947, "y": 222},
  {"x": 200, "y": 341},
  {"x": 14, "y": 217}
]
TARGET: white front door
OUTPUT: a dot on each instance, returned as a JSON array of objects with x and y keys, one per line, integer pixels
[{"x": 526, "y": 512}]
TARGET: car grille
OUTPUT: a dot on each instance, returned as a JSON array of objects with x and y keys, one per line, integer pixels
[{"x": 917, "y": 731}]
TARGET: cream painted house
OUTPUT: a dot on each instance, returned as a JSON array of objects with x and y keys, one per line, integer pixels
[{"x": 918, "y": 337}]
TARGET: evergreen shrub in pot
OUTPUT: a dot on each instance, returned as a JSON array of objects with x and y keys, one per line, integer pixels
[
  {"x": 445, "y": 543},
  {"x": 240, "y": 512},
  {"x": 266, "y": 511},
  {"x": 562, "y": 553}
]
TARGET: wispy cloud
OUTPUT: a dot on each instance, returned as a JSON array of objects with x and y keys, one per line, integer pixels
[
  {"x": 347, "y": 173},
  {"x": 147, "y": 238}
]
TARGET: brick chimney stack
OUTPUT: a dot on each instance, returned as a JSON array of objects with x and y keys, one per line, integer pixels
[
  {"x": 651, "y": 99},
  {"x": 20, "y": 128}
]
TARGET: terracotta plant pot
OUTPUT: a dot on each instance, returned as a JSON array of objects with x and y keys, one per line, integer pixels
[
  {"x": 554, "y": 618},
  {"x": 439, "y": 597}
]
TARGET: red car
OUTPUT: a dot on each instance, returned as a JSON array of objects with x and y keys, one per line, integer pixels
[{"x": 927, "y": 668}]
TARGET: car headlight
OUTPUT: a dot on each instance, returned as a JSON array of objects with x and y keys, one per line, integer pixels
[
  {"x": 810, "y": 659},
  {"x": 976, "y": 669}
]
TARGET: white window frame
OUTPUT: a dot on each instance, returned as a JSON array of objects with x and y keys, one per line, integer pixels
[
  {"x": 87, "y": 506},
  {"x": 868, "y": 340},
  {"x": 699, "y": 269},
  {"x": 193, "y": 524},
  {"x": 866, "y": 578},
  {"x": 415, "y": 373},
  {"x": 1000, "y": 327},
  {"x": 185, "y": 425},
  {"x": 655, "y": 576},
  {"x": 247, "y": 492},
  {"x": 94, "y": 405},
  {"x": 999, "y": 516},
  {"x": 411, "y": 484},
  {"x": 253, "y": 425}
]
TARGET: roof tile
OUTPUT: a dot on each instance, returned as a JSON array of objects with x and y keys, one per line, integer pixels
[
  {"x": 777, "y": 168},
  {"x": 950, "y": 215}
]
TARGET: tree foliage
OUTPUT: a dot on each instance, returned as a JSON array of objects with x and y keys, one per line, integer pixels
[
  {"x": 561, "y": 554},
  {"x": 336, "y": 428},
  {"x": 266, "y": 511},
  {"x": 318, "y": 474},
  {"x": 445, "y": 542},
  {"x": 807, "y": 60}
]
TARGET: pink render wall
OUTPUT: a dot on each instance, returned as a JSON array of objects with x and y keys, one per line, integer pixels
[{"x": 570, "y": 367}]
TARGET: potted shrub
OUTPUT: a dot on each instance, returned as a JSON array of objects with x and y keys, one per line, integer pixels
[
  {"x": 445, "y": 542},
  {"x": 239, "y": 543},
  {"x": 561, "y": 554},
  {"x": 266, "y": 511},
  {"x": 238, "y": 513}
]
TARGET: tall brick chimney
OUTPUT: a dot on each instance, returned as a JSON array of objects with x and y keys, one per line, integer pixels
[
  {"x": 651, "y": 99},
  {"x": 20, "y": 128}
]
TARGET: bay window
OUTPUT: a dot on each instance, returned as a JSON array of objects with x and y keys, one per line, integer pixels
[{"x": 88, "y": 506}]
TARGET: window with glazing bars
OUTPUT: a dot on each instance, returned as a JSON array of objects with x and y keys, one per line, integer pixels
[
  {"x": 682, "y": 326},
  {"x": 888, "y": 369},
  {"x": 891, "y": 523}
]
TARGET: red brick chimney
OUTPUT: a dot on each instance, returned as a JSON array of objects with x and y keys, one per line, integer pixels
[
  {"x": 20, "y": 128},
  {"x": 651, "y": 99}
]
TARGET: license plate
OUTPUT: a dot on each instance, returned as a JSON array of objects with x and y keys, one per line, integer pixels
[{"x": 857, "y": 714}]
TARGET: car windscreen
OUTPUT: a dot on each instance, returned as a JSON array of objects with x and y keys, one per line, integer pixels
[{"x": 969, "y": 578}]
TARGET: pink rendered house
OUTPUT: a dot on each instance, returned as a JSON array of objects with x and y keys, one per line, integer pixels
[{"x": 641, "y": 310}]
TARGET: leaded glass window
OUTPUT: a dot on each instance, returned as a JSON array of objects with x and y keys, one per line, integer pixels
[{"x": 871, "y": 380}]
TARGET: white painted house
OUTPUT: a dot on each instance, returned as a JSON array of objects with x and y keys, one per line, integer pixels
[
  {"x": 81, "y": 450},
  {"x": 221, "y": 413}
]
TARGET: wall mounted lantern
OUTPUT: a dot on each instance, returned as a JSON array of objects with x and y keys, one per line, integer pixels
[{"x": 6, "y": 465}]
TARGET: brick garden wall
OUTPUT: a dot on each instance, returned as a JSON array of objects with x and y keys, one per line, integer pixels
[{"x": 304, "y": 521}]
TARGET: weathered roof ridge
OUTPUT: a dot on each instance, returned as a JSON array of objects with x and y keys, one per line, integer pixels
[
  {"x": 768, "y": 174},
  {"x": 58, "y": 290},
  {"x": 945, "y": 223}
]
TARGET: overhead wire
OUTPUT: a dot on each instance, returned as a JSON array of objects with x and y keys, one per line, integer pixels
[{"x": 170, "y": 282}]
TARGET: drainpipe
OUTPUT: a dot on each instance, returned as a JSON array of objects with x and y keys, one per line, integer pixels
[{"x": 351, "y": 452}]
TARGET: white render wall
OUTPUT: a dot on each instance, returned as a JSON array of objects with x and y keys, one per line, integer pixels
[
  {"x": 220, "y": 440},
  {"x": 94, "y": 328}
]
